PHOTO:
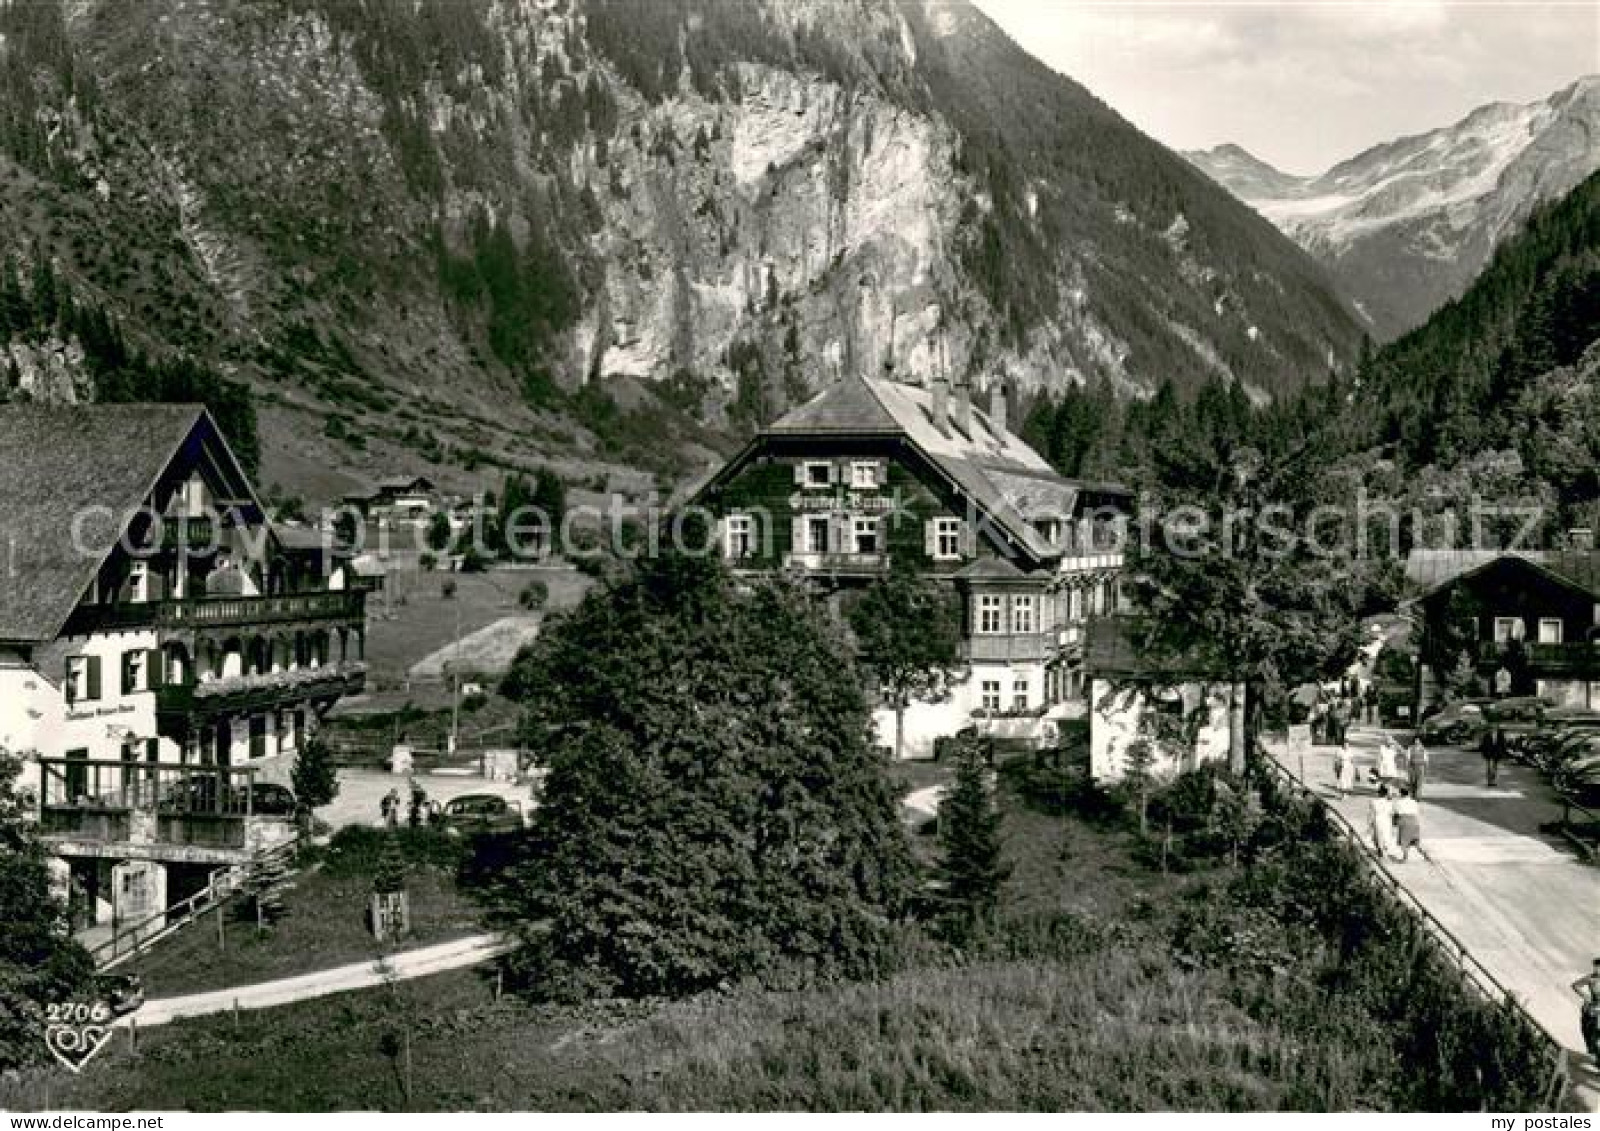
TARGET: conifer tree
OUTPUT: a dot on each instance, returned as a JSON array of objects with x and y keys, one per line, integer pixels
[
  {"x": 266, "y": 880},
  {"x": 711, "y": 808},
  {"x": 971, "y": 868},
  {"x": 315, "y": 778}
]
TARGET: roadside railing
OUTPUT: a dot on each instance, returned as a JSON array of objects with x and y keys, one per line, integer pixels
[
  {"x": 1584, "y": 834},
  {"x": 1479, "y": 976}
]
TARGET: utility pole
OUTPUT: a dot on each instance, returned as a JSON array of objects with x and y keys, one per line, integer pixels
[{"x": 455, "y": 685}]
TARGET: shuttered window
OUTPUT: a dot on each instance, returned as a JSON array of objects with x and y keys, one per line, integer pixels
[
  {"x": 814, "y": 473},
  {"x": 134, "y": 665}
]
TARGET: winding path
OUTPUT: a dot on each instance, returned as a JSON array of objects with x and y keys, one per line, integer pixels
[{"x": 401, "y": 966}]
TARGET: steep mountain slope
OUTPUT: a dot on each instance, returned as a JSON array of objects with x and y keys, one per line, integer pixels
[
  {"x": 502, "y": 232},
  {"x": 1407, "y": 225}
]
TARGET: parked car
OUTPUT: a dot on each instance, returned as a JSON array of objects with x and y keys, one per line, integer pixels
[
  {"x": 1550, "y": 754},
  {"x": 268, "y": 799},
  {"x": 1458, "y": 723},
  {"x": 1557, "y": 724},
  {"x": 1579, "y": 773},
  {"x": 474, "y": 813},
  {"x": 122, "y": 993}
]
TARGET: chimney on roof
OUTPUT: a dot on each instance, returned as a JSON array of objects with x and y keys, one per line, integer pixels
[
  {"x": 997, "y": 405},
  {"x": 963, "y": 415},
  {"x": 939, "y": 400}
]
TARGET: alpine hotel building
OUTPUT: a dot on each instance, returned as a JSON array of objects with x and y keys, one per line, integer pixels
[
  {"x": 164, "y": 650},
  {"x": 872, "y": 471}
]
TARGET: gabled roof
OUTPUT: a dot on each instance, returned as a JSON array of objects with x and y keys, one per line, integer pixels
[
  {"x": 847, "y": 406},
  {"x": 990, "y": 569},
  {"x": 1576, "y": 569},
  {"x": 405, "y": 483},
  {"x": 992, "y": 466},
  {"x": 57, "y": 462}
]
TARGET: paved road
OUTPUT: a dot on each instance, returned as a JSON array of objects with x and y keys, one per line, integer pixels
[
  {"x": 361, "y": 791},
  {"x": 1518, "y": 899},
  {"x": 401, "y": 967}
]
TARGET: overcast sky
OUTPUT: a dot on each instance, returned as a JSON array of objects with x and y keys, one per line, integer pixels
[{"x": 1308, "y": 83}]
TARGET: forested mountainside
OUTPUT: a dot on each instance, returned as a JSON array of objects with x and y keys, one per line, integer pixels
[
  {"x": 450, "y": 236},
  {"x": 1479, "y": 373},
  {"x": 1407, "y": 225}
]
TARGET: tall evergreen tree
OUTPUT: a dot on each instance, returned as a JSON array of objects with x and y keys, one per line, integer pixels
[
  {"x": 711, "y": 809},
  {"x": 971, "y": 868}
]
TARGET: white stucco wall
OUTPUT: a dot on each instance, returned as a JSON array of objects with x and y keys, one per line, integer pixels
[
  {"x": 925, "y": 722},
  {"x": 102, "y": 725},
  {"x": 1570, "y": 692},
  {"x": 1114, "y": 715},
  {"x": 35, "y": 718}
]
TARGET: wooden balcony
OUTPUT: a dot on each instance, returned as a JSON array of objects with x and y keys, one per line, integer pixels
[
  {"x": 177, "y": 533},
  {"x": 1007, "y": 647},
  {"x": 841, "y": 564},
  {"x": 263, "y": 691},
  {"x": 1077, "y": 561},
  {"x": 1578, "y": 658},
  {"x": 160, "y": 811},
  {"x": 342, "y": 607},
  {"x": 101, "y": 786}
]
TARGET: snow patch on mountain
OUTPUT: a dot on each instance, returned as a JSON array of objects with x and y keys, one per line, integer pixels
[{"x": 1407, "y": 224}]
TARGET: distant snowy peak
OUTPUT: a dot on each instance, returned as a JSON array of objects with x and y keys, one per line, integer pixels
[
  {"x": 1244, "y": 174},
  {"x": 1406, "y": 225}
]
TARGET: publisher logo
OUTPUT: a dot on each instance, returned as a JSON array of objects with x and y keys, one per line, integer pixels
[{"x": 76, "y": 1030}]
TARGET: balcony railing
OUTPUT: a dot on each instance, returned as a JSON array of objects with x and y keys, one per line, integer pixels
[
  {"x": 264, "y": 690},
  {"x": 178, "y": 532},
  {"x": 839, "y": 562},
  {"x": 1089, "y": 561},
  {"x": 1010, "y": 646},
  {"x": 101, "y": 787},
  {"x": 1579, "y": 657},
  {"x": 203, "y": 612}
]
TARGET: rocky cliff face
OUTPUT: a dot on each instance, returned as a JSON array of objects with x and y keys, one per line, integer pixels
[
  {"x": 496, "y": 232},
  {"x": 1409, "y": 224}
]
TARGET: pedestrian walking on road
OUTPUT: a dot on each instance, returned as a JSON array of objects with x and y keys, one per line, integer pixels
[
  {"x": 1493, "y": 747},
  {"x": 1344, "y": 770},
  {"x": 1383, "y": 823},
  {"x": 1338, "y": 722},
  {"x": 1372, "y": 704},
  {"x": 1408, "y": 824},
  {"x": 1387, "y": 771},
  {"x": 390, "y": 807},
  {"x": 418, "y": 811},
  {"x": 1416, "y": 766},
  {"x": 1588, "y": 990}
]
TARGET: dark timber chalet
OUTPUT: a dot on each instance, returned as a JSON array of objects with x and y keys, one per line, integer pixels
[
  {"x": 871, "y": 472},
  {"x": 1526, "y": 622},
  {"x": 164, "y": 650}
]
